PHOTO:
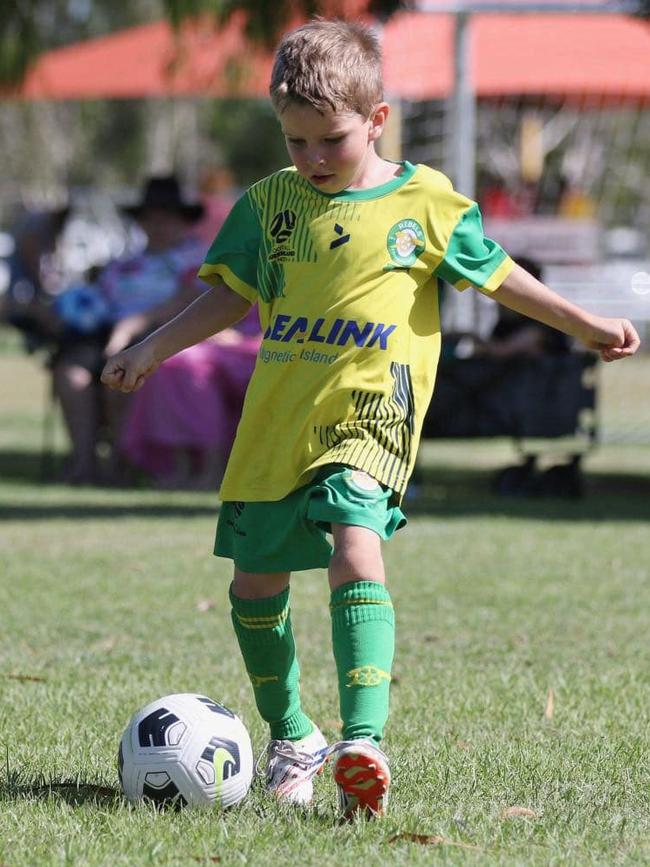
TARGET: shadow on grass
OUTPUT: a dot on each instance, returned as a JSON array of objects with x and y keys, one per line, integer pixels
[
  {"x": 445, "y": 492},
  {"x": 27, "y": 466},
  {"x": 96, "y": 511},
  {"x": 75, "y": 793},
  {"x": 437, "y": 491},
  {"x": 25, "y": 469}
]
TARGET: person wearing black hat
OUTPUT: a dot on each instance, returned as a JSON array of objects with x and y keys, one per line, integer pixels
[
  {"x": 164, "y": 194},
  {"x": 139, "y": 293}
]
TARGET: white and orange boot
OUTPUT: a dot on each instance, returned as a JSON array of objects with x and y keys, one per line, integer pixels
[{"x": 362, "y": 777}]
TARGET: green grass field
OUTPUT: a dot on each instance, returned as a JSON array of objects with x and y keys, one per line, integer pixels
[{"x": 522, "y": 677}]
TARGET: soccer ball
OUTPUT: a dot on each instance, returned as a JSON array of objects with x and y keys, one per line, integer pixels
[{"x": 186, "y": 750}]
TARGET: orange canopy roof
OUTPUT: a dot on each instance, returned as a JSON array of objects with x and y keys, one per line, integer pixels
[
  {"x": 151, "y": 60},
  {"x": 566, "y": 55}
]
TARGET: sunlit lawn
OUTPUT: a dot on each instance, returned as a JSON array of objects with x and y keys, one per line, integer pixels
[{"x": 522, "y": 674}]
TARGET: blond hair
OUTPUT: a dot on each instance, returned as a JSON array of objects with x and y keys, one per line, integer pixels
[{"x": 329, "y": 65}]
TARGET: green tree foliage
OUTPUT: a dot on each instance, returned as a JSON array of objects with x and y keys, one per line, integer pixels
[
  {"x": 19, "y": 39},
  {"x": 266, "y": 21},
  {"x": 248, "y": 135},
  {"x": 29, "y": 27}
]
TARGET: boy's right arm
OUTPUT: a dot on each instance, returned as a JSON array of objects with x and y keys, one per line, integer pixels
[
  {"x": 217, "y": 308},
  {"x": 612, "y": 338}
]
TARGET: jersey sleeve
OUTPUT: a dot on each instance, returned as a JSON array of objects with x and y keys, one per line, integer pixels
[
  {"x": 234, "y": 253},
  {"x": 471, "y": 259}
]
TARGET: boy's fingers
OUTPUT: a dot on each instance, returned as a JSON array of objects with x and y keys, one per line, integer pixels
[
  {"x": 628, "y": 345},
  {"x": 625, "y": 344},
  {"x": 614, "y": 353},
  {"x": 119, "y": 375},
  {"x": 631, "y": 339},
  {"x": 131, "y": 380},
  {"x": 112, "y": 375}
]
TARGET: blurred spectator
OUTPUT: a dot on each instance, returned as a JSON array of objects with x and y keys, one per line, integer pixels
[
  {"x": 218, "y": 196},
  {"x": 517, "y": 335},
  {"x": 182, "y": 449},
  {"x": 33, "y": 277},
  {"x": 131, "y": 297},
  {"x": 189, "y": 449},
  {"x": 498, "y": 201},
  {"x": 574, "y": 203}
]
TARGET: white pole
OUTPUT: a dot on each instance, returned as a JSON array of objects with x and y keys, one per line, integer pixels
[{"x": 463, "y": 143}]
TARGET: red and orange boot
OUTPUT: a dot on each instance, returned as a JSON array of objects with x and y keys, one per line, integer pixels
[{"x": 362, "y": 778}]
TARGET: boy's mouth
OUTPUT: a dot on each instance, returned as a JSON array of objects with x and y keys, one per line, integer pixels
[{"x": 321, "y": 178}]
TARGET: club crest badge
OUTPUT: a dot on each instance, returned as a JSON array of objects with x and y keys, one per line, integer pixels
[{"x": 405, "y": 242}]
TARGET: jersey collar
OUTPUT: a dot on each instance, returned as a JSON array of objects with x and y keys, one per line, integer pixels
[{"x": 408, "y": 170}]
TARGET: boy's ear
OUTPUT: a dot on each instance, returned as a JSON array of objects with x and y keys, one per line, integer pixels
[{"x": 378, "y": 120}]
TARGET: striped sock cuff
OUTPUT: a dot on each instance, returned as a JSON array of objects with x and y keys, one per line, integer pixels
[
  {"x": 260, "y": 614},
  {"x": 360, "y": 602}
]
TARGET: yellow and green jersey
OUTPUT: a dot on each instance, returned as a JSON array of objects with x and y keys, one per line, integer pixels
[{"x": 347, "y": 288}]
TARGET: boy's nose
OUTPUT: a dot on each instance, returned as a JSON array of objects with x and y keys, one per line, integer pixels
[{"x": 316, "y": 161}]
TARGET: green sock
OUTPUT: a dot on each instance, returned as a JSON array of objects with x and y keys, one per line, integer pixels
[
  {"x": 263, "y": 629},
  {"x": 363, "y": 638}
]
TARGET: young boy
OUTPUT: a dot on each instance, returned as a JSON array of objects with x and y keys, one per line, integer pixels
[{"x": 342, "y": 253}]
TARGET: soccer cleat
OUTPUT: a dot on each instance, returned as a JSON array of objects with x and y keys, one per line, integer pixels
[
  {"x": 362, "y": 778},
  {"x": 292, "y": 765}
]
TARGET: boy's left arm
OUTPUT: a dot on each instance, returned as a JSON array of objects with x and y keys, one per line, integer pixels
[{"x": 612, "y": 338}]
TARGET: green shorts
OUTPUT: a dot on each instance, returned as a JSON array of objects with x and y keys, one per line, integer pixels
[{"x": 289, "y": 535}]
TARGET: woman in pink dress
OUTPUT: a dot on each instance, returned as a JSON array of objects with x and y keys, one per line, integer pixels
[{"x": 182, "y": 422}]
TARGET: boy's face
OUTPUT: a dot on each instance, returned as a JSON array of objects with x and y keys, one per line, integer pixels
[{"x": 332, "y": 150}]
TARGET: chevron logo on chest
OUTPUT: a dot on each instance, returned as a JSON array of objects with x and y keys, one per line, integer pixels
[{"x": 341, "y": 239}]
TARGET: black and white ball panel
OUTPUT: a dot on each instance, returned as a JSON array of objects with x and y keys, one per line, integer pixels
[{"x": 186, "y": 749}]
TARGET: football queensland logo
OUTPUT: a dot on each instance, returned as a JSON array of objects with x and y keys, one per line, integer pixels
[
  {"x": 405, "y": 242},
  {"x": 281, "y": 229}
]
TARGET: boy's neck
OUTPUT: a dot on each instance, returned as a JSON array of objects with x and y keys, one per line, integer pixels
[{"x": 375, "y": 172}]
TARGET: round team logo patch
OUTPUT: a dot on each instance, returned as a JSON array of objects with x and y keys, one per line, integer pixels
[
  {"x": 405, "y": 242},
  {"x": 364, "y": 481}
]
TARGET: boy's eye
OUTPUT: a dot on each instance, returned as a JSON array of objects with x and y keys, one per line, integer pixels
[
  {"x": 335, "y": 139},
  {"x": 295, "y": 141}
]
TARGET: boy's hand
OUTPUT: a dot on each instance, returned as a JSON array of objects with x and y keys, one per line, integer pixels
[
  {"x": 612, "y": 338},
  {"x": 128, "y": 370}
]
